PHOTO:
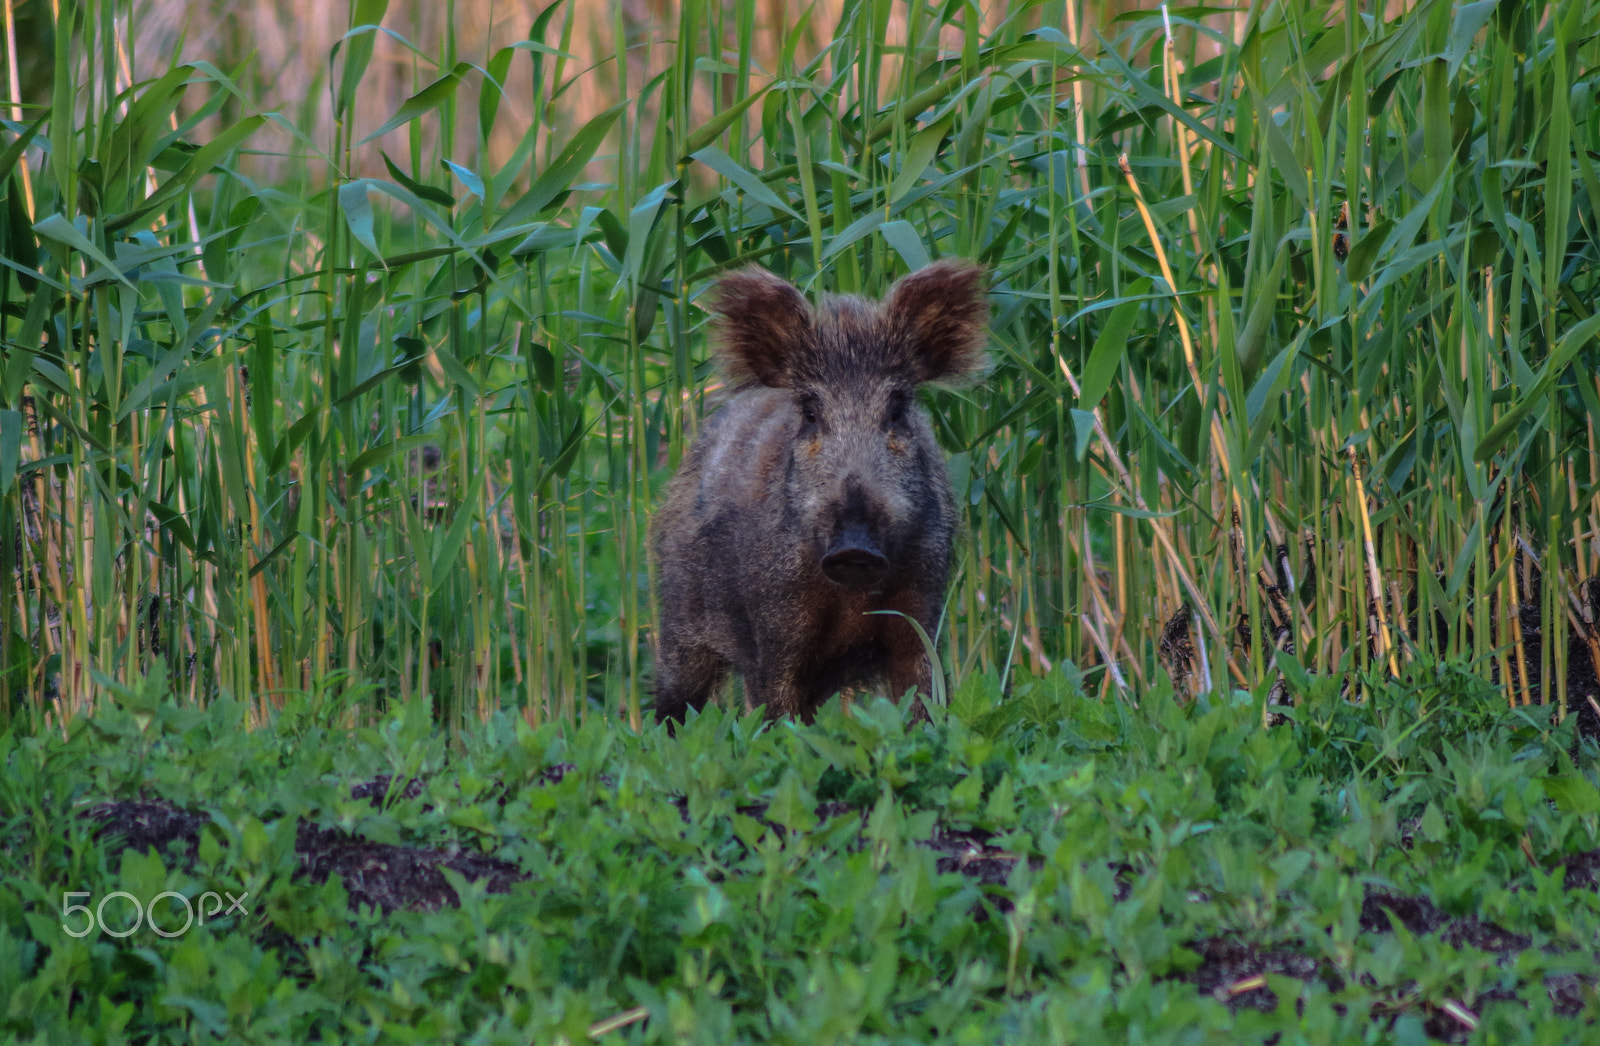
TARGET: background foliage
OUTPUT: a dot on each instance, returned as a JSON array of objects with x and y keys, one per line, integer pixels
[{"x": 1292, "y": 336}]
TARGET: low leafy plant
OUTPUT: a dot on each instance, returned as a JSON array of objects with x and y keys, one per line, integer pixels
[{"x": 863, "y": 878}]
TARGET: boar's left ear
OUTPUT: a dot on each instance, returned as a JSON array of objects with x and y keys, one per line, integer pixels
[{"x": 943, "y": 311}]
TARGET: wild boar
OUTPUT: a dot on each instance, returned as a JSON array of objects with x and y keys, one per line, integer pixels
[{"x": 816, "y": 495}]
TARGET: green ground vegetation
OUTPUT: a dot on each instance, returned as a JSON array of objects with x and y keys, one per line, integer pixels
[
  {"x": 1292, "y": 339},
  {"x": 1040, "y": 868}
]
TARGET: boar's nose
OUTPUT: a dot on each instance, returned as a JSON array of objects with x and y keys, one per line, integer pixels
[{"x": 855, "y": 560}]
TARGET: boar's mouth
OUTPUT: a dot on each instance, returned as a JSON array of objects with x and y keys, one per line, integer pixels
[{"x": 854, "y": 559}]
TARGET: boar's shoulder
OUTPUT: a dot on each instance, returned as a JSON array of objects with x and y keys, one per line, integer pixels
[{"x": 745, "y": 449}]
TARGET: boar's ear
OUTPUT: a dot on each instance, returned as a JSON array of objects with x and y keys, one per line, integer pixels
[
  {"x": 762, "y": 327},
  {"x": 943, "y": 312}
]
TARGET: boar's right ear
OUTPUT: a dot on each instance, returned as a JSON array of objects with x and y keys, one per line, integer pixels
[
  {"x": 943, "y": 312},
  {"x": 762, "y": 326}
]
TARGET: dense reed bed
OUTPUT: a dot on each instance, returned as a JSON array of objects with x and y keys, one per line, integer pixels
[{"x": 368, "y": 394}]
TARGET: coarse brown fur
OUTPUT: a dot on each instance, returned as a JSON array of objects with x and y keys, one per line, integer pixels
[{"x": 816, "y": 495}]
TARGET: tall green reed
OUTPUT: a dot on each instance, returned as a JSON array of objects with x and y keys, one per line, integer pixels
[{"x": 1289, "y": 340}]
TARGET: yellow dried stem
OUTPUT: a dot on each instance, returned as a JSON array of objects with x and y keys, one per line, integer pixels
[
  {"x": 1523, "y": 694},
  {"x": 1374, "y": 575},
  {"x": 14, "y": 81},
  {"x": 1077, "y": 102},
  {"x": 1157, "y": 523}
]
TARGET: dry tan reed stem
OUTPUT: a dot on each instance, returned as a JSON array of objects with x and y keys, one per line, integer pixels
[
  {"x": 270, "y": 676},
  {"x": 1522, "y": 689},
  {"x": 1077, "y": 100},
  {"x": 1170, "y": 70},
  {"x": 1586, "y": 557},
  {"x": 1218, "y": 442},
  {"x": 1501, "y": 647},
  {"x": 1107, "y": 654},
  {"x": 1119, "y": 536},
  {"x": 14, "y": 81},
  {"x": 1181, "y": 321},
  {"x": 600, "y": 1029},
  {"x": 1374, "y": 575},
  {"x": 1219, "y": 445},
  {"x": 1157, "y": 524}
]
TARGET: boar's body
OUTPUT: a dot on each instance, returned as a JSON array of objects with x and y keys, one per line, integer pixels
[{"x": 815, "y": 496}]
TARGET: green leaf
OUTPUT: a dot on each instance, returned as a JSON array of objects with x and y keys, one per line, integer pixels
[
  {"x": 1262, "y": 403},
  {"x": 1573, "y": 795},
  {"x": 422, "y": 189},
  {"x": 853, "y": 232},
  {"x": 457, "y": 372},
  {"x": 468, "y": 176},
  {"x": 357, "y": 45},
  {"x": 14, "y": 151},
  {"x": 793, "y": 806},
  {"x": 10, "y": 448},
  {"x": 1566, "y": 349},
  {"x": 424, "y": 101},
  {"x": 642, "y": 219},
  {"x": 1434, "y": 828},
  {"x": 1365, "y": 251},
  {"x": 494, "y": 84},
  {"x": 205, "y": 159},
  {"x": 356, "y": 207},
  {"x": 377, "y": 378},
  {"x": 746, "y": 181},
  {"x": 919, "y": 153},
  {"x": 1464, "y": 28},
  {"x": 1083, "y": 432},
  {"x": 557, "y": 178},
  {"x": 708, "y": 132},
  {"x": 1002, "y": 807},
  {"x": 1109, "y": 347},
  {"x": 56, "y": 228},
  {"x": 444, "y": 556},
  {"x": 902, "y": 237},
  {"x": 1262, "y": 309},
  {"x": 1149, "y": 96}
]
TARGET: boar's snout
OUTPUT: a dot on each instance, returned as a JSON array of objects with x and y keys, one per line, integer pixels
[{"x": 854, "y": 560}]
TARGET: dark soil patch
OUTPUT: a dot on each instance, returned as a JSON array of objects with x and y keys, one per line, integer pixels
[
  {"x": 140, "y": 824},
  {"x": 1420, "y": 916},
  {"x": 1486, "y": 937},
  {"x": 1583, "y": 870},
  {"x": 1569, "y": 993},
  {"x": 1417, "y": 914},
  {"x": 395, "y": 877},
  {"x": 376, "y": 790},
  {"x": 381, "y": 875},
  {"x": 1233, "y": 972},
  {"x": 553, "y": 775},
  {"x": 968, "y": 852}
]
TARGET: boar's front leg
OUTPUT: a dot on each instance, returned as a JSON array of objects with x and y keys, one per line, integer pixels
[
  {"x": 687, "y": 674},
  {"x": 774, "y": 683}
]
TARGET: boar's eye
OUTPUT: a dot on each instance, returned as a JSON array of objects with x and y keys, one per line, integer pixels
[
  {"x": 810, "y": 410},
  {"x": 899, "y": 403}
]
